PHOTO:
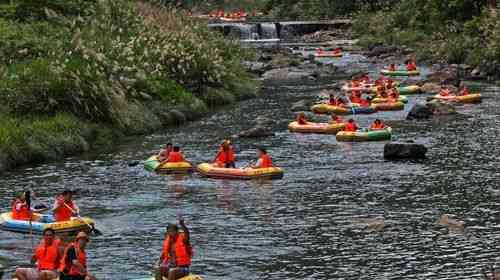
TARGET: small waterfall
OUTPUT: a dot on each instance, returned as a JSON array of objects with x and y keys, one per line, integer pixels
[{"x": 268, "y": 31}]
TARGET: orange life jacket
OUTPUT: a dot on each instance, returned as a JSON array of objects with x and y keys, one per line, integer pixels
[
  {"x": 265, "y": 161},
  {"x": 63, "y": 213},
  {"x": 230, "y": 155},
  {"x": 175, "y": 157},
  {"x": 465, "y": 92},
  {"x": 47, "y": 257},
  {"x": 364, "y": 103},
  {"x": 392, "y": 67},
  {"x": 355, "y": 98},
  {"x": 338, "y": 119},
  {"x": 444, "y": 92},
  {"x": 23, "y": 213},
  {"x": 221, "y": 157},
  {"x": 301, "y": 121},
  {"x": 378, "y": 126},
  {"x": 351, "y": 127},
  {"x": 183, "y": 252},
  {"x": 67, "y": 267}
]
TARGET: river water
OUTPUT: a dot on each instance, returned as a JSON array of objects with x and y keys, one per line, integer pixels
[{"x": 310, "y": 225}]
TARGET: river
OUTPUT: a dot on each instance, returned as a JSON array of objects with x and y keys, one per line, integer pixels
[{"x": 306, "y": 226}]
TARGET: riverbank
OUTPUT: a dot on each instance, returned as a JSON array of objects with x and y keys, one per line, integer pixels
[{"x": 129, "y": 68}]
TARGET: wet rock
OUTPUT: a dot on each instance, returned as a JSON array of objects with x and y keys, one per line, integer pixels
[
  {"x": 399, "y": 150},
  {"x": 432, "y": 108},
  {"x": 441, "y": 77},
  {"x": 285, "y": 74},
  {"x": 370, "y": 224},
  {"x": 176, "y": 117},
  {"x": 133, "y": 163},
  {"x": 302, "y": 105},
  {"x": 476, "y": 74},
  {"x": 453, "y": 224},
  {"x": 258, "y": 68},
  {"x": 256, "y": 132},
  {"x": 430, "y": 88},
  {"x": 379, "y": 50},
  {"x": 145, "y": 96}
]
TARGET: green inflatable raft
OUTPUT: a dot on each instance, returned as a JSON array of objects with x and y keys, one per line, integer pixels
[
  {"x": 399, "y": 73},
  {"x": 364, "y": 136}
]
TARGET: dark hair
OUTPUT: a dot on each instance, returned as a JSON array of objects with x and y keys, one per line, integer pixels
[
  {"x": 351, "y": 120},
  {"x": 177, "y": 148},
  {"x": 49, "y": 230},
  {"x": 66, "y": 192},
  {"x": 172, "y": 227},
  {"x": 169, "y": 144},
  {"x": 262, "y": 150}
]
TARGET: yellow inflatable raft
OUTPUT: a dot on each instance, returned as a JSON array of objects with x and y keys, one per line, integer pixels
[
  {"x": 42, "y": 222},
  {"x": 208, "y": 170},
  {"x": 310, "y": 127},
  {"x": 153, "y": 164},
  {"x": 470, "y": 98},
  {"x": 389, "y": 106},
  {"x": 189, "y": 277}
]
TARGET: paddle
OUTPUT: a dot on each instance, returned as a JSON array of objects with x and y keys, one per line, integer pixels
[
  {"x": 27, "y": 197},
  {"x": 92, "y": 228}
]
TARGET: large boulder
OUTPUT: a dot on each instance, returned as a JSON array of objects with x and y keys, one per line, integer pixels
[
  {"x": 263, "y": 121},
  {"x": 286, "y": 74},
  {"x": 256, "y": 132},
  {"x": 441, "y": 77},
  {"x": 429, "y": 109},
  {"x": 452, "y": 223},
  {"x": 430, "y": 88},
  {"x": 399, "y": 150},
  {"x": 379, "y": 50}
]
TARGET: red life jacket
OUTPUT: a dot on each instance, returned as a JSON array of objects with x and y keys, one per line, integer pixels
[
  {"x": 23, "y": 213},
  {"x": 183, "y": 252},
  {"x": 48, "y": 256},
  {"x": 351, "y": 127},
  {"x": 221, "y": 157},
  {"x": 302, "y": 121},
  {"x": 392, "y": 67},
  {"x": 67, "y": 267},
  {"x": 355, "y": 99},
  {"x": 63, "y": 213},
  {"x": 377, "y": 126},
  {"x": 265, "y": 161},
  {"x": 175, "y": 157},
  {"x": 230, "y": 155}
]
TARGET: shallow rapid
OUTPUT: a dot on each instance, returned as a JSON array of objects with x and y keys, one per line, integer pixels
[{"x": 311, "y": 224}]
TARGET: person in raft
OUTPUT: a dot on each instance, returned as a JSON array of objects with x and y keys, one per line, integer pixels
[
  {"x": 174, "y": 156},
  {"x": 411, "y": 65},
  {"x": 264, "y": 159},
  {"x": 225, "y": 156},
  {"x": 377, "y": 125},
  {"x": 444, "y": 91},
  {"x": 335, "y": 101},
  {"x": 163, "y": 155},
  {"x": 20, "y": 208},
  {"x": 336, "y": 119},
  {"x": 176, "y": 253},
  {"x": 392, "y": 67},
  {"x": 462, "y": 89},
  {"x": 47, "y": 256},
  {"x": 351, "y": 126},
  {"x": 65, "y": 207},
  {"x": 337, "y": 51},
  {"x": 301, "y": 119},
  {"x": 74, "y": 260},
  {"x": 393, "y": 94}
]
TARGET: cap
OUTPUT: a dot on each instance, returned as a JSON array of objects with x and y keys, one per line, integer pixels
[{"x": 82, "y": 234}]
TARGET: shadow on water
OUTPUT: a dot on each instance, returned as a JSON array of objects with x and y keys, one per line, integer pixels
[{"x": 305, "y": 226}]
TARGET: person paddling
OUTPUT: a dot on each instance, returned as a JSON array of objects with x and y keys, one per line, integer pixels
[
  {"x": 411, "y": 65},
  {"x": 377, "y": 125},
  {"x": 65, "y": 207},
  {"x": 444, "y": 91},
  {"x": 462, "y": 89},
  {"x": 47, "y": 257},
  {"x": 351, "y": 126},
  {"x": 20, "y": 208},
  {"x": 301, "y": 119},
  {"x": 177, "y": 252},
  {"x": 74, "y": 261},
  {"x": 264, "y": 159},
  {"x": 225, "y": 156},
  {"x": 336, "y": 119},
  {"x": 392, "y": 67}
]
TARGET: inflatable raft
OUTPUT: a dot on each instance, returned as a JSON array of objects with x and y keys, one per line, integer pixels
[
  {"x": 362, "y": 136},
  {"x": 189, "y": 277},
  {"x": 399, "y": 73},
  {"x": 401, "y": 98},
  {"x": 328, "y": 54},
  {"x": 153, "y": 164},
  {"x": 341, "y": 110},
  {"x": 389, "y": 106},
  {"x": 470, "y": 98},
  {"x": 324, "y": 128},
  {"x": 41, "y": 222},
  {"x": 409, "y": 90},
  {"x": 362, "y": 88},
  {"x": 208, "y": 170}
]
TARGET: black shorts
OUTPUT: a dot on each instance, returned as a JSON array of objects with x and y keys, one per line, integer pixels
[{"x": 63, "y": 276}]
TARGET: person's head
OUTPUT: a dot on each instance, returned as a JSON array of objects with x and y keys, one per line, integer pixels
[
  {"x": 172, "y": 230},
  {"x": 67, "y": 195},
  {"x": 332, "y": 96},
  {"x": 377, "y": 121},
  {"x": 82, "y": 239},
  {"x": 177, "y": 148},
  {"x": 350, "y": 121},
  {"x": 301, "y": 115},
  {"x": 48, "y": 236},
  {"x": 261, "y": 151},
  {"x": 168, "y": 146},
  {"x": 22, "y": 196}
]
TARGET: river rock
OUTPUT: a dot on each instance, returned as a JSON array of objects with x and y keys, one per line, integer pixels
[
  {"x": 370, "y": 224},
  {"x": 256, "y": 132},
  {"x": 452, "y": 223},
  {"x": 429, "y": 109},
  {"x": 433, "y": 88},
  {"x": 302, "y": 105},
  {"x": 258, "y": 68},
  {"x": 286, "y": 74},
  {"x": 400, "y": 150},
  {"x": 263, "y": 121},
  {"x": 379, "y": 50},
  {"x": 441, "y": 77}
]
